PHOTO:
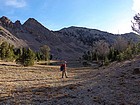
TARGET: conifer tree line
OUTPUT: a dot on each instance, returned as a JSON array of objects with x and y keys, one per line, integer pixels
[
  {"x": 105, "y": 53},
  {"x": 23, "y": 56}
]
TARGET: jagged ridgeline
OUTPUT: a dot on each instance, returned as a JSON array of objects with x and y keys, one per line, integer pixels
[{"x": 67, "y": 43}]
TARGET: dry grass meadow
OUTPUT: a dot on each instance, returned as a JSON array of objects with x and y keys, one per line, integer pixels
[{"x": 43, "y": 85}]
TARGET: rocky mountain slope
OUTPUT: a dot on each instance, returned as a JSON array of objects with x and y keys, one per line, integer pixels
[
  {"x": 89, "y": 36},
  {"x": 67, "y": 43},
  {"x": 7, "y": 35}
]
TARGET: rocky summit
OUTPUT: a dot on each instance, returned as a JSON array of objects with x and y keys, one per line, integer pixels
[{"x": 67, "y": 43}]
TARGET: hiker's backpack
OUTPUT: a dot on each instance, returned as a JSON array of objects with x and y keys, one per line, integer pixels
[{"x": 61, "y": 67}]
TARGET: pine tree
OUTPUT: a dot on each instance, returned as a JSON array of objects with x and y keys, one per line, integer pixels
[
  {"x": 45, "y": 49},
  {"x": 106, "y": 61},
  {"x": 128, "y": 53},
  {"x": 18, "y": 51},
  {"x": 3, "y": 50},
  {"x": 9, "y": 55},
  {"x": 27, "y": 58},
  {"x": 120, "y": 57},
  {"x": 111, "y": 55},
  {"x": 38, "y": 56},
  {"x": 135, "y": 49}
]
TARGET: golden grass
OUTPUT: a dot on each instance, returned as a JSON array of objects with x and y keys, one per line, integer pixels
[
  {"x": 14, "y": 77},
  {"x": 41, "y": 83}
]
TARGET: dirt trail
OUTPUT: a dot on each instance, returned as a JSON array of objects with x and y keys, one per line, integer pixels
[{"x": 43, "y": 85}]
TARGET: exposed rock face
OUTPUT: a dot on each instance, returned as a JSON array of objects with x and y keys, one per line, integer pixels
[
  {"x": 68, "y": 43},
  {"x": 6, "y": 22},
  {"x": 10, "y": 38},
  {"x": 17, "y": 24},
  {"x": 33, "y": 27},
  {"x": 90, "y": 36}
]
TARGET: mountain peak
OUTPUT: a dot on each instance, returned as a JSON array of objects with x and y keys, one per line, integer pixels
[
  {"x": 5, "y": 21},
  {"x": 4, "y": 18},
  {"x": 35, "y": 27},
  {"x": 31, "y": 21},
  {"x": 18, "y": 24}
]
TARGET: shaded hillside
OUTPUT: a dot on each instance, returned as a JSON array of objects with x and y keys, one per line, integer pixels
[
  {"x": 67, "y": 43},
  {"x": 6, "y": 35}
]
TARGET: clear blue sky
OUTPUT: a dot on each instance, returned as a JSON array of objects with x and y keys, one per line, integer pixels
[{"x": 108, "y": 15}]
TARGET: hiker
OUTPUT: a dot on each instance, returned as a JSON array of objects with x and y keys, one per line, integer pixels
[{"x": 63, "y": 69}]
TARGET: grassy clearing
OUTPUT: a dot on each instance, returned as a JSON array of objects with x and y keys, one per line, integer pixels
[
  {"x": 42, "y": 84},
  {"x": 14, "y": 77}
]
